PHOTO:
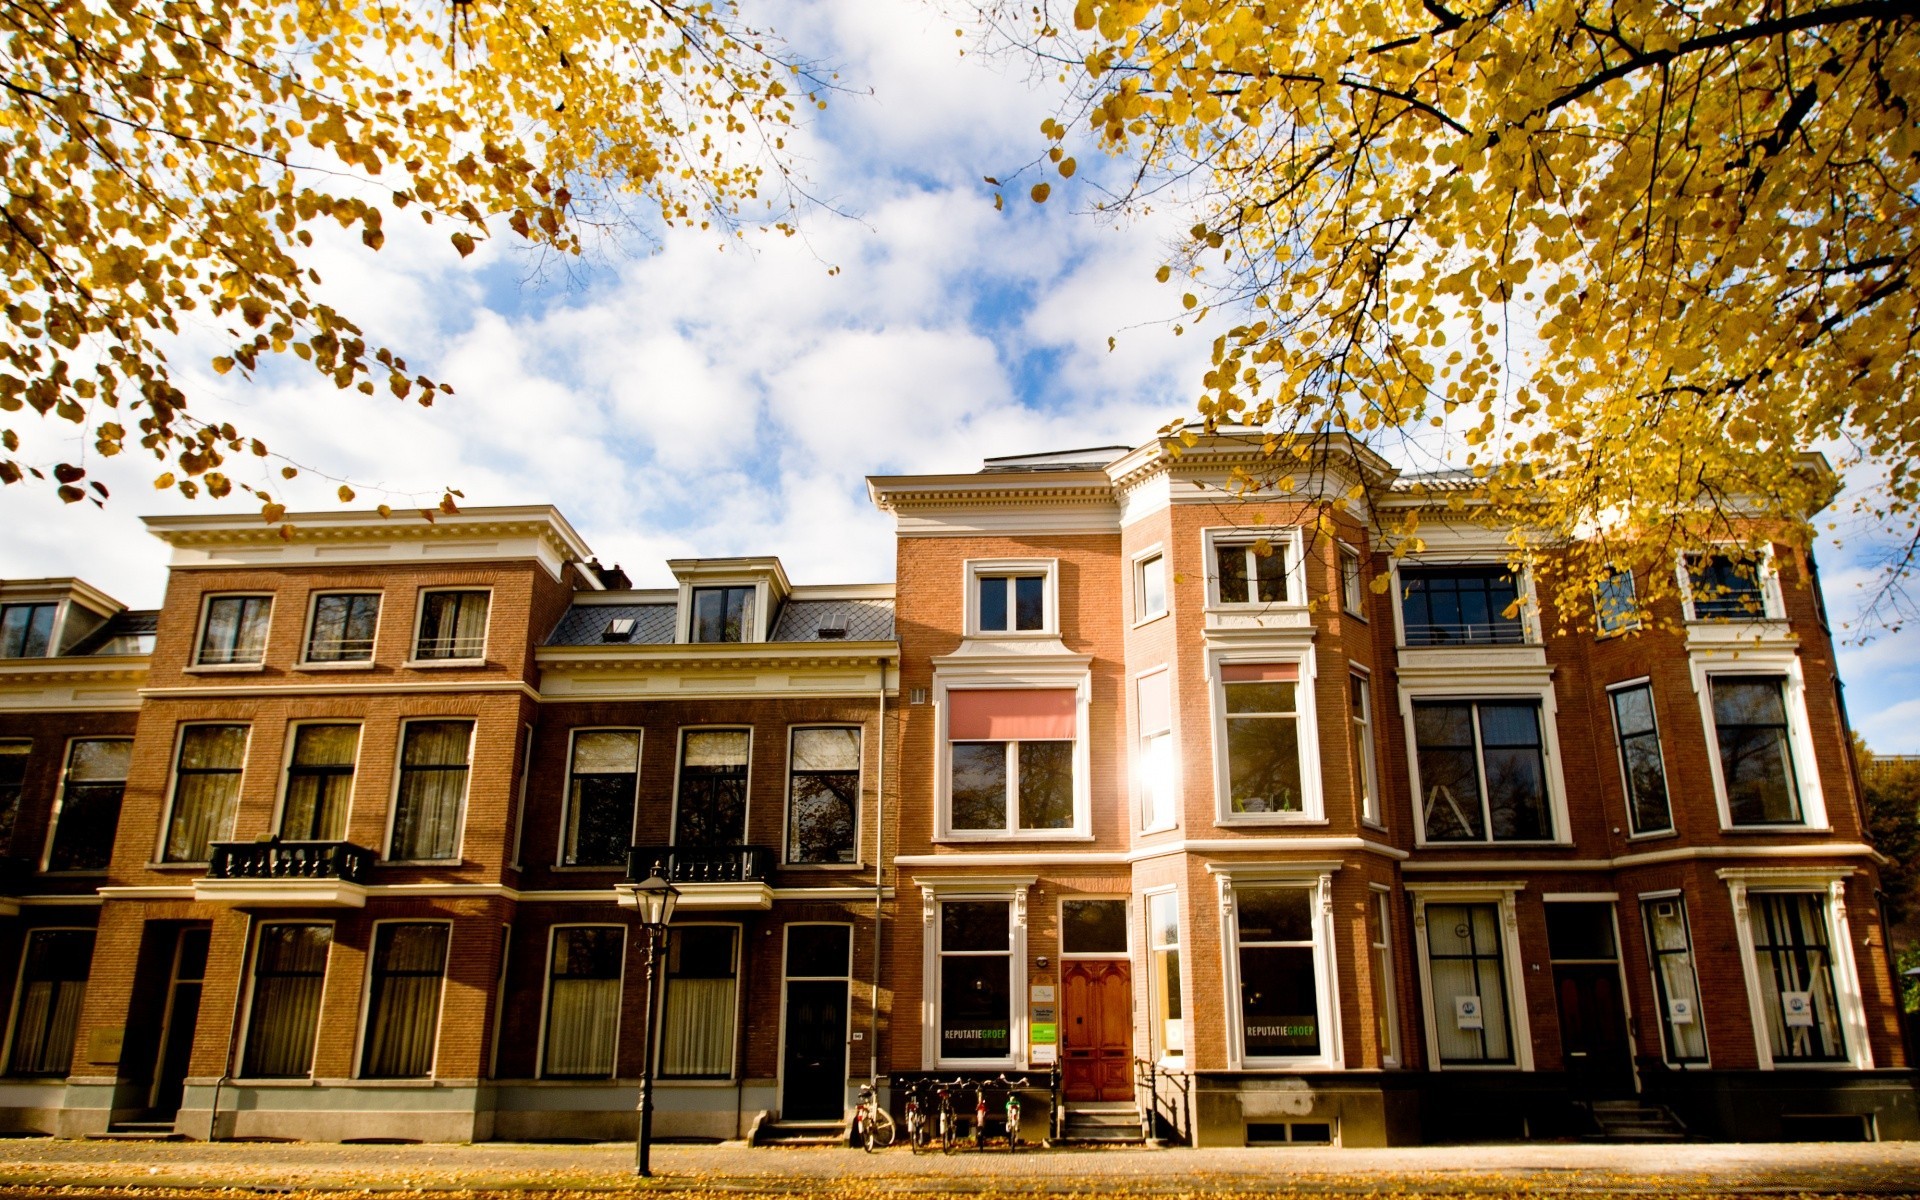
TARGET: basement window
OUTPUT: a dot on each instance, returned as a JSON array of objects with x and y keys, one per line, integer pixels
[{"x": 1296, "y": 1133}]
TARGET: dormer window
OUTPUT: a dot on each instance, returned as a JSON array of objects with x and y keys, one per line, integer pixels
[
  {"x": 26, "y": 630},
  {"x": 722, "y": 614}
]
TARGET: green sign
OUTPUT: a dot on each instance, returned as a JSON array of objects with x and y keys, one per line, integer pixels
[{"x": 1045, "y": 1033}]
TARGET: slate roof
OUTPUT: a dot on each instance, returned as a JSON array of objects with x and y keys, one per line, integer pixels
[
  {"x": 586, "y": 625},
  {"x": 799, "y": 621},
  {"x": 132, "y": 622}
]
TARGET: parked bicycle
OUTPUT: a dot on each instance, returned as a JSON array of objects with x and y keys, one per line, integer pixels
[
  {"x": 943, "y": 1114},
  {"x": 1013, "y": 1114},
  {"x": 872, "y": 1126},
  {"x": 979, "y": 1116},
  {"x": 916, "y": 1118}
]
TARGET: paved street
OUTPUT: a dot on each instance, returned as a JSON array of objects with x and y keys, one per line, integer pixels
[{"x": 35, "y": 1167}]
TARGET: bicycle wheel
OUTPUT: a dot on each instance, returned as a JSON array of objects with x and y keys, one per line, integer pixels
[{"x": 879, "y": 1130}]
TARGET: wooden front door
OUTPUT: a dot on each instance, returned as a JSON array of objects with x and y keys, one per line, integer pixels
[
  {"x": 1593, "y": 1029},
  {"x": 1096, "y": 1030}
]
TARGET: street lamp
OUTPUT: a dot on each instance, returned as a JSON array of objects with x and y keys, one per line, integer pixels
[{"x": 654, "y": 898}]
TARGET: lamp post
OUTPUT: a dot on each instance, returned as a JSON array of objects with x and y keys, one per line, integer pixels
[{"x": 654, "y": 898}]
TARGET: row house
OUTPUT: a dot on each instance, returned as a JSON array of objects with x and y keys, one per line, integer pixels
[
  {"x": 333, "y": 845},
  {"x": 1246, "y": 824}
]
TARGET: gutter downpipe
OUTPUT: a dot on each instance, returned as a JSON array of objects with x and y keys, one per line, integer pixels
[
  {"x": 233, "y": 1034},
  {"x": 879, "y": 884}
]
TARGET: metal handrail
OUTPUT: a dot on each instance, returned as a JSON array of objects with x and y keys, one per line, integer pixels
[
  {"x": 703, "y": 864},
  {"x": 1468, "y": 633},
  {"x": 1147, "y": 1076},
  {"x": 275, "y": 859}
]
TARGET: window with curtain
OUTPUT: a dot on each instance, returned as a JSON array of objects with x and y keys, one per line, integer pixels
[
  {"x": 1678, "y": 992},
  {"x": 698, "y": 1017},
  {"x": 602, "y": 779},
  {"x": 453, "y": 625},
  {"x": 1263, "y": 737},
  {"x": 1279, "y": 977},
  {"x": 206, "y": 790},
  {"x": 343, "y": 627},
  {"x": 235, "y": 630},
  {"x": 46, "y": 1011},
  {"x": 1793, "y": 950},
  {"x": 1641, "y": 764},
  {"x": 403, "y": 1000},
  {"x": 583, "y": 1001},
  {"x": 1466, "y": 960},
  {"x": 90, "y": 795},
  {"x": 13, "y": 779},
  {"x": 711, "y": 809},
  {"x": 1386, "y": 1018},
  {"x": 823, "y": 796},
  {"x": 433, "y": 789},
  {"x": 1756, "y": 757},
  {"x": 319, "y": 783},
  {"x": 1163, "y": 941},
  {"x": 976, "y": 980},
  {"x": 289, "y": 973},
  {"x": 1011, "y": 759},
  {"x": 1483, "y": 771},
  {"x": 1158, "y": 804}
]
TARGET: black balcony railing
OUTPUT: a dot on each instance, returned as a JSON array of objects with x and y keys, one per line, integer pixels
[
  {"x": 1465, "y": 633},
  {"x": 291, "y": 860},
  {"x": 702, "y": 864}
]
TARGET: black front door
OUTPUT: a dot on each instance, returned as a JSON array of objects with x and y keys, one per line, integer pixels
[
  {"x": 814, "y": 1074},
  {"x": 1593, "y": 1029}
]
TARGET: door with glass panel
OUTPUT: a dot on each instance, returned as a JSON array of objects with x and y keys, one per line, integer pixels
[
  {"x": 1096, "y": 980},
  {"x": 813, "y": 1060}
]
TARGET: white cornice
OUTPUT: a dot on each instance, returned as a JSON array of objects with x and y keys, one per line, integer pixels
[
  {"x": 1681, "y": 854},
  {"x": 106, "y": 683}
]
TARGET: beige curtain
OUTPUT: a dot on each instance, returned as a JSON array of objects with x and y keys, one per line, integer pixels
[
  {"x": 696, "y": 1037},
  {"x": 409, "y": 969}
]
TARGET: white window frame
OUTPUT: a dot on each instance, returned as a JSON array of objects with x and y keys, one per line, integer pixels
[
  {"x": 1074, "y": 677},
  {"x": 1373, "y": 810},
  {"x": 1762, "y": 660},
  {"x": 1744, "y": 882},
  {"x": 366, "y": 995},
  {"x": 1317, "y": 879},
  {"x": 379, "y": 618},
  {"x": 286, "y": 764},
  {"x": 1773, "y": 603},
  {"x": 251, "y": 979},
  {"x": 975, "y": 569},
  {"x": 414, "y": 661},
  {"x": 1011, "y": 890},
  {"x": 1380, "y": 896},
  {"x": 1156, "y": 1036},
  {"x": 662, "y": 977},
  {"x": 1138, "y": 575},
  {"x": 1285, "y": 539},
  {"x": 1353, "y": 590},
  {"x": 1520, "y": 1029},
  {"x": 546, "y": 995},
  {"x": 1138, "y": 757},
  {"x": 787, "y": 977},
  {"x": 680, "y": 761},
  {"x": 1529, "y": 614},
  {"x": 173, "y": 789},
  {"x": 566, "y": 795},
  {"x": 466, "y": 796},
  {"x": 1632, "y": 623},
  {"x": 60, "y": 806},
  {"x": 199, "y": 666},
  {"x": 1620, "y": 757},
  {"x": 1307, "y": 726},
  {"x": 786, "y": 806},
  {"x": 1543, "y": 692},
  {"x": 1658, "y": 984}
]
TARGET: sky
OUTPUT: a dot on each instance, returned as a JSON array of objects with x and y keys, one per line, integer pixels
[{"x": 679, "y": 400}]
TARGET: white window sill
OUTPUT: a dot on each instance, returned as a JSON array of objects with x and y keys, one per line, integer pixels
[
  {"x": 356, "y": 665},
  {"x": 1370, "y": 823},
  {"x": 1782, "y": 827},
  {"x": 1268, "y": 820},
  {"x": 441, "y": 862},
  {"x": 1422, "y": 844},
  {"x": 1287, "y": 1064},
  {"x": 1169, "y": 827},
  {"x": 428, "y": 664},
  {"x": 1254, "y": 607},
  {"x": 1355, "y": 614},
  {"x": 576, "y": 868},
  {"x": 1842, "y": 1065},
  {"x": 991, "y": 836},
  {"x": 1011, "y": 635},
  {"x": 1658, "y": 835},
  {"x": 839, "y": 867},
  {"x": 223, "y": 668},
  {"x": 179, "y": 866},
  {"x": 1478, "y": 1067},
  {"x": 1150, "y": 618}
]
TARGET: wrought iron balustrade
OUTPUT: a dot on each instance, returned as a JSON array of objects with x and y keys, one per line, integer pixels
[
  {"x": 291, "y": 860},
  {"x": 702, "y": 864}
]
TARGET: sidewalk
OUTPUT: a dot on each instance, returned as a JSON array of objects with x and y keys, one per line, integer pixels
[{"x": 31, "y": 1167}]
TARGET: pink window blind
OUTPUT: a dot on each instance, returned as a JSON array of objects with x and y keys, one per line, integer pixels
[
  {"x": 1260, "y": 672},
  {"x": 1010, "y": 714}
]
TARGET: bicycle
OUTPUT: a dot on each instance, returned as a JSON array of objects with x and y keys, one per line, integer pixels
[
  {"x": 872, "y": 1127},
  {"x": 979, "y": 1116},
  {"x": 943, "y": 1110},
  {"x": 1013, "y": 1115},
  {"x": 916, "y": 1120}
]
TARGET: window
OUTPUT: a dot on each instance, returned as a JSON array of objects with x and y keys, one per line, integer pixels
[
  {"x": 206, "y": 790},
  {"x": 1250, "y": 571},
  {"x": 1616, "y": 608},
  {"x": 602, "y": 782},
  {"x": 1360, "y": 710},
  {"x": 1352, "y": 595},
  {"x": 1263, "y": 737},
  {"x": 289, "y": 972},
  {"x": 1466, "y": 960},
  {"x": 1279, "y": 982},
  {"x": 403, "y": 1000},
  {"x": 976, "y": 980},
  {"x": 1461, "y": 606},
  {"x": 13, "y": 782},
  {"x": 453, "y": 627},
  {"x": 1386, "y": 1018},
  {"x": 697, "y": 1022},
  {"x": 1756, "y": 762},
  {"x": 1640, "y": 761},
  {"x": 1012, "y": 759},
  {"x": 722, "y": 614},
  {"x": 1791, "y": 949},
  {"x": 90, "y": 796},
  {"x": 343, "y": 627},
  {"x": 1675, "y": 985},
  {"x": 1163, "y": 941},
  {"x": 1150, "y": 586},
  {"x": 711, "y": 809},
  {"x": 319, "y": 783},
  {"x": 583, "y": 1002},
  {"x": 823, "y": 796},
  {"x": 1094, "y": 927},
  {"x": 433, "y": 790},
  {"x": 1723, "y": 587},
  {"x": 1012, "y": 603},
  {"x": 53, "y": 984},
  {"x": 1482, "y": 771},
  {"x": 1158, "y": 802},
  {"x": 235, "y": 631},
  {"x": 26, "y": 630}
]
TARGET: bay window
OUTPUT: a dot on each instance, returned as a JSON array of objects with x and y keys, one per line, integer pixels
[
  {"x": 1279, "y": 1003},
  {"x": 1251, "y": 570},
  {"x": 1150, "y": 586},
  {"x": 710, "y": 808},
  {"x": 1466, "y": 961},
  {"x": 206, "y": 790},
  {"x": 1156, "y": 761},
  {"x": 1011, "y": 756},
  {"x": 976, "y": 980},
  {"x": 1756, "y": 755},
  {"x": 434, "y": 765},
  {"x": 289, "y": 971},
  {"x": 1676, "y": 987},
  {"x": 90, "y": 796},
  {"x": 409, "y": 971},
  {"x": 603, "y": 778},
  {"x": 1793, "y": 955},
  {"x": 1641, "y": 764},
  {"x": 1163, "y": 963},
  {"x": 1360, "y": 711},
  {"x": 1263, "y": 742},
  {"x": 698, "y": 1017},
  {"x": 1482, "y": 771},
  {"x": 1386, "y": 1018},
  {"x": 583, "y": 1002},
  {"x": 823, "y": 796}
]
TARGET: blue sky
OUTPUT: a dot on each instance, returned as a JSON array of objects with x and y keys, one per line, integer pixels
[{"x": 682, "y": 400}]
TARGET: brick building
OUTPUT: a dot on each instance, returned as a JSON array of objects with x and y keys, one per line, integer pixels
[{"x": 1129, "y": 774}]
